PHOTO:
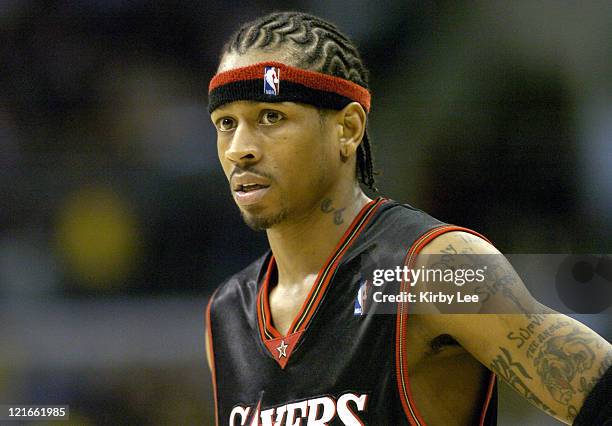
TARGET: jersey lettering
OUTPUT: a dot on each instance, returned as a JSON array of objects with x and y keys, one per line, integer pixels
[
  {"x": 328, "y": 411},
  {"x": 311, "y": 412},
  {"x": 243, "y": 412},
  {"x": 267, "y": 415},
  {"x": 345, "y": 413}
]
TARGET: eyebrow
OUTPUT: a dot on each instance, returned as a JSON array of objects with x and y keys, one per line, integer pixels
[{"x": 271, "y": 105}]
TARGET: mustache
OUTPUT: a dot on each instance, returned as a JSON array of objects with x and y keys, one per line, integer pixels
[{"x": 251, "y": 170}]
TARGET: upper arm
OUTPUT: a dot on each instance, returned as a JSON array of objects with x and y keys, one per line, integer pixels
[
  {"x": 550, "y": 359},
  {"x": 492, "y": 279}
]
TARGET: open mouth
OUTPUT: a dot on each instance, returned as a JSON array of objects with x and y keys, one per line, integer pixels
[
  {"x": 249, "y": 193},
  {"x": 250, "y": 187}
]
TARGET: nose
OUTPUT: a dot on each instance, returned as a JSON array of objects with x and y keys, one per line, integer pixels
[{"x": 243, "y": 148}]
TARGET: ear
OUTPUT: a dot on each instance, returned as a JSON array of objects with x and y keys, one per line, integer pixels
[{"x": 352, "y": 124}]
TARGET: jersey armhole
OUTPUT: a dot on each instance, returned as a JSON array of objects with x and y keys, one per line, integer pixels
[
  {"x": 401, "y": 360},
  {"x": 211, "y": 353}
]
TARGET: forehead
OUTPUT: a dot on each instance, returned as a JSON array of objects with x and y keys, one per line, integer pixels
[{"x": 234, "y": 60}]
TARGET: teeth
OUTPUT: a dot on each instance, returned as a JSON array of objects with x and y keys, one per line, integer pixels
[{"x": 249, "y": 187}]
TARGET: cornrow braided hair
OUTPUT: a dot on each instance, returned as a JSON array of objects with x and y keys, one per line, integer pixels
[{"x": 322, "y": 48}]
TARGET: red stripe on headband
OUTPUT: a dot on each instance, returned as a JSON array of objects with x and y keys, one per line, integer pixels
[{"x": 311, "y": 79}]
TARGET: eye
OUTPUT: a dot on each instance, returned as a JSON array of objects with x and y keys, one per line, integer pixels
[
  {"x": 271, "y": 117},
  {"x": 226, "y": 124}
]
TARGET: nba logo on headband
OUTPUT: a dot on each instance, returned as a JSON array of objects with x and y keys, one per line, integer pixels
[{"x": 271, "y": 80}]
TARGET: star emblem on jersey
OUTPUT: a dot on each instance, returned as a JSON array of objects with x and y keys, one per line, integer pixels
[{"x": 282, "y": 349}]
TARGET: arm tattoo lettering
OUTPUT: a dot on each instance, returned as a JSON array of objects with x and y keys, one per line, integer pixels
[
  {"x": 527, "y": 335},
  {"x": 500, "y": 278},
  {"x": 468, "y": 238},
  {"x": 524, "y": 334},
  {"x": 506, "y": 363},
  {"x": 503, "y": 280},
  {"x": 514, "y": 373}
]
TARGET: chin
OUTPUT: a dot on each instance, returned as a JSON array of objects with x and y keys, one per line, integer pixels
[{"x": 262, "y": 221}]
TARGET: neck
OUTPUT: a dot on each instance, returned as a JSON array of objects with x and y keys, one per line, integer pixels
[{"x": 301, "y": 247}]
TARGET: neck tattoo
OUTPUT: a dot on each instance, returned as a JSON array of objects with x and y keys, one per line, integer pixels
[{"x": 326, "y": 207}]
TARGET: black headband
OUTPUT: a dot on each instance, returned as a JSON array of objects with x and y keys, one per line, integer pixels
[{"x": 277, "y": 82}]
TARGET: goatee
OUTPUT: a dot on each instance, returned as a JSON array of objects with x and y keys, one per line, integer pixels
[{"x": 261, "y": 223}]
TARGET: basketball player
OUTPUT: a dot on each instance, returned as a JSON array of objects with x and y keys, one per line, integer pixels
[{"x": 285, "y": 341}]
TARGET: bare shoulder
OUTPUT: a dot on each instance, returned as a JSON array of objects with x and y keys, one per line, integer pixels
[
  {"x": 495, "y": 287},
  {"x": 459, "y": 242}
]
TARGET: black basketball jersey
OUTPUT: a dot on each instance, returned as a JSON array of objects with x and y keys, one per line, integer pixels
[{"x": 335, "y": 366}]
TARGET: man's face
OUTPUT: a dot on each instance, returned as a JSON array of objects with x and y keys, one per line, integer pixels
[{"x": 278, "y": 157}]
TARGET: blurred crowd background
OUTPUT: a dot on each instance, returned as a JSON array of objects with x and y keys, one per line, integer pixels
[{"x": 116, "y": 222}]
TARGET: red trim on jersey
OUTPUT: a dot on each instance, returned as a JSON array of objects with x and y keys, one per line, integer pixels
[
  {"x": 315, "y": 295},
  {"x": 351, "y": 234},
  {"x": 265, "y": 320},
  {"x": 401, "y": 359},
  {"x": 485, "y": 406},
  {"x": 212, "y": 356},
  {"x": 311, "y": 79}
]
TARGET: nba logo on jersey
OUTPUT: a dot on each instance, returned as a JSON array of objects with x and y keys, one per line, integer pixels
[
  {"x": 361, "y": 299},
  {"x": 271, "y": 80}
]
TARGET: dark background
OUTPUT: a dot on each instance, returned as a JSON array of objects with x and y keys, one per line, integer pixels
[{"x": 116, "y": 222}]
